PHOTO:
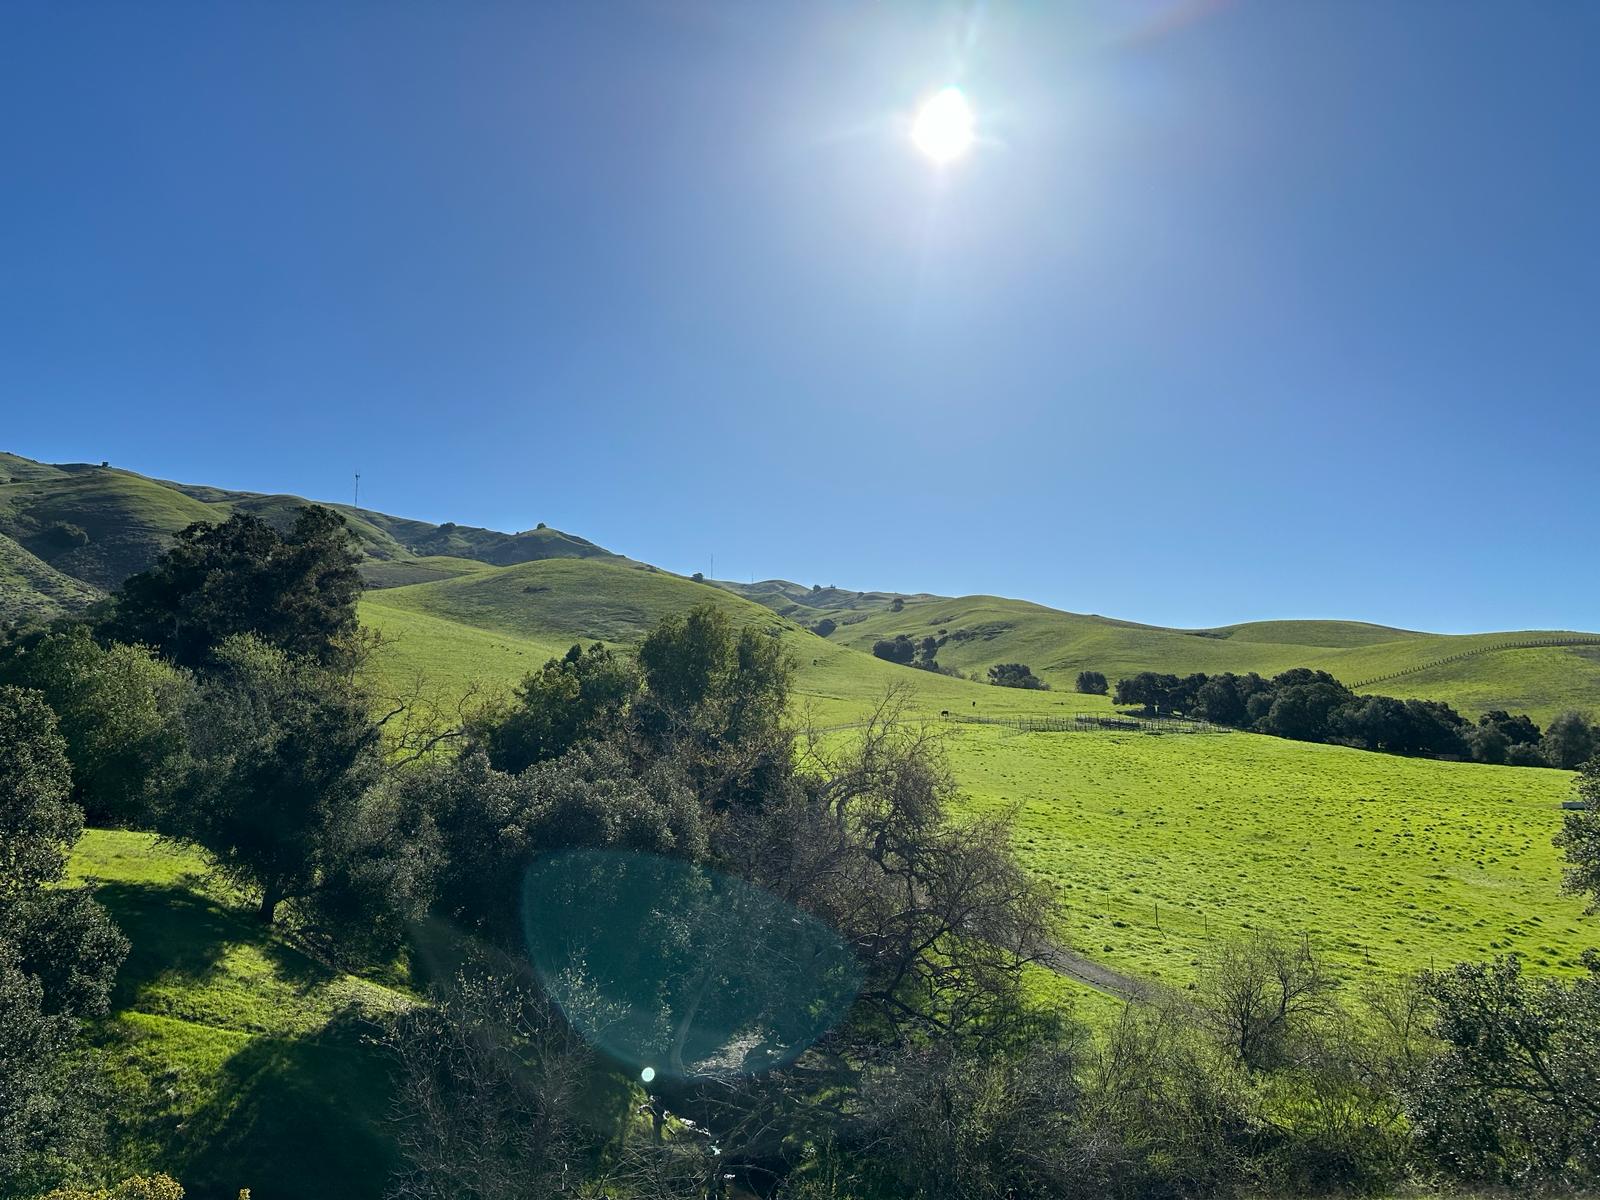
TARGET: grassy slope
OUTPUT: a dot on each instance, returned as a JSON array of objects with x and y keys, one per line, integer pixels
[
  {"x": 1392, "y": 862},
  {"x": 31, "y": 589},
  {"x": 1214, "y": 829},
  {"x": 238, "y": 1061},
  {"x": 494, "y": 625},
  {"x": 986, "y": 629},
  {"x": 130, "y": 519}
]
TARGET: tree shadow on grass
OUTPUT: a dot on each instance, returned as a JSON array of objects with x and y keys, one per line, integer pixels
[
  {"x": 303, "y": 1118},
  {"x": 175, "y": 931}
]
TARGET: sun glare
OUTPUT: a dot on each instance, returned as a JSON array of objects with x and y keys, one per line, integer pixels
[{"x": 945, "y": 128}]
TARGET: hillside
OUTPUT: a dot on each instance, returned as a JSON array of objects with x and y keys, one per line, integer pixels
[
  {"x": 1472, "y": 671},
  {"x": 470, "y": 603},
  {"x": 98, "y": 525},
  {"x": 491, "y": 625},
  {"x": 237, "y": 1060}
]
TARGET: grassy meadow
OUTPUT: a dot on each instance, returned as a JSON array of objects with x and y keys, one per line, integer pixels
[
  {"x": 237, "y": 1059},
  {"x": 1159, "y": 844}
]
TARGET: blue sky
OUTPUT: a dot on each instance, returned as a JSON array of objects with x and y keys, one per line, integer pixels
[{"x": 1236, "y": 311}]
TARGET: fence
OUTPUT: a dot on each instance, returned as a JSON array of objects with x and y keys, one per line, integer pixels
[
  {"x": 1096, "y": 722},
  {"x": 1525, "y": 644}
]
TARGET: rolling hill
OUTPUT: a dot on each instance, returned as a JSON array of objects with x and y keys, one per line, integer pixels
[
  {"x": 467, "y": 603},
  {"x": 1537, "y": 671}
]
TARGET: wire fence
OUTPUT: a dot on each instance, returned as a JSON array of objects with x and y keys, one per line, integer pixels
[{"x": 1091, "y": 722}]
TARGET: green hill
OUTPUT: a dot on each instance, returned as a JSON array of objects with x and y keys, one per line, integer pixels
[
  {"x": 98, "y": 525},
  {"x": 32, "y": 590},
  {"x": 494, "y": 624},
  {"x": 1472, "y": 671},
  {"x": 467, "y": 602}
]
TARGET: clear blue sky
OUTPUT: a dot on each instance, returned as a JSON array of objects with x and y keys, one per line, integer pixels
[{"x": 1273, "y": 309}]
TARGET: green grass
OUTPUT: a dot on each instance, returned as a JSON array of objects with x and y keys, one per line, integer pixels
[
  {"x": 32, "y": 590},
  {"x": 447, "y": 572},
  {"x": 238, "y": 1061},
  {"x": 983, "y": 630},
  {"x": 1159, "y": 844},
  {"x": 494, "y": 625}
]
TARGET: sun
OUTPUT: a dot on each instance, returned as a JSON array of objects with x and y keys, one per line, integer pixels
[{"x": 946, "y": 127}]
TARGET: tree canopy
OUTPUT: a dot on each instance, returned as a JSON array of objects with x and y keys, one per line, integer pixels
[{"x": 296, "y": 591}]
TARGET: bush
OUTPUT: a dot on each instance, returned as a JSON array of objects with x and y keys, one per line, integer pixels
[
  {"x": 64, "y": 536},
  {"x": 1016, "y": 675},
  {"x": 135, "y": 1187},
  {"x": 1526, "y": 755},
  {"x": 1092, "y": 683},
  {"x": 825, "y": 627}
]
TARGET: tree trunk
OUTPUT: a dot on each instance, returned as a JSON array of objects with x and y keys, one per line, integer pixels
[{"x": 269, "y": 904}]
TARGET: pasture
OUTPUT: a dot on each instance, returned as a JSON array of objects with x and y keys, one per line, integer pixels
[{"x": 1159, "y": 844}]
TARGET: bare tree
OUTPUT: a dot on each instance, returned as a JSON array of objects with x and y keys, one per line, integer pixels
[
  {"x": 490, "y": 1079},
  {"x": 1258, "y": 993}
]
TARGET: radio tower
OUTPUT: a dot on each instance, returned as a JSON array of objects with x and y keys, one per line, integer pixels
[{"x": 357, "y": 504}]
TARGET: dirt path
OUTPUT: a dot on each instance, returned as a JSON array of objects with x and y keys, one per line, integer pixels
[{"x": 1085, "y": 970}]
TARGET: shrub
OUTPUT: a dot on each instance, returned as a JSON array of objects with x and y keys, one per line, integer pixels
[
  {"x": 1016, "y": 675},
  {"x": 135, "y": 1187},
  {"x": 1092, "y": 683},
  {"x": 64, "y": 536}
]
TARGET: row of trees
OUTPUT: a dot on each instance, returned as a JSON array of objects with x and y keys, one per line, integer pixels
[{"x": 1313, "y": 706}]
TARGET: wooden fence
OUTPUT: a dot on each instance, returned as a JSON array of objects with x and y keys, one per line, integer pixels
[
  {"x": 1524, "y": 644},
  {"x": 1096, "y": 722}
]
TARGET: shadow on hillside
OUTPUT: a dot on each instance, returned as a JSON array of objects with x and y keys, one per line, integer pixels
[
  {"x": 300, "y": 1118},
  {"x": 176, "y": 931}
]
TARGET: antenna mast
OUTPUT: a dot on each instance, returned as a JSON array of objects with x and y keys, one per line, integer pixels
[{"x": 357, "y": 505}]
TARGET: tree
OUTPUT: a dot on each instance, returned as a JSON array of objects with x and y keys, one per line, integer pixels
[
  {"x": 118, "y": 709},
  {"x": 716, "y": 701},
  {"x": 1016, "y": 675},
  {"x": 283, "y": 753},
  {"x": 1518, "y": 730},
  {"x": 1092, "y": 683},
  {"x": 491, "y": 825},
  {"x": 1515, "y": 1096},
  {"x": 898, "y": 649},
  {"x": 1147, "y": 688},
  {"x": 37, "y": 817},
  {"x": 1489, "y": 744},
  {"x": 943, "y": 918},
  {"x": 296, "y": 591},
  {"x": 1257, "y": 995},
  {"x": 1569, "y": 741},
  {"x": 1222, "y": 699},
  {"x": 1303, "y": 711},
  {"x": 581, "y": 696},
  {"x": 490, "y": 1087},
  {"x": 58, "y": 952},
  {"x": 1580, "y": 838}
]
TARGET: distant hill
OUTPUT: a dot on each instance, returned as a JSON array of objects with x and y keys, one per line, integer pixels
[
  {"x": 465, "y": 603},
  {"x": 98, "y": 525},
  {"x": 1537, "y": 671}
]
